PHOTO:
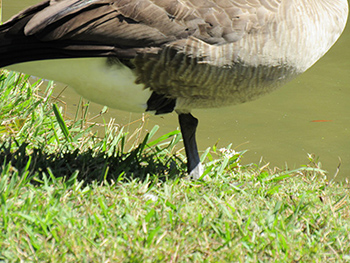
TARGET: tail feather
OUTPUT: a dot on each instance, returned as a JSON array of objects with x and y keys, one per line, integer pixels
[{"x": 17, "y": 47}]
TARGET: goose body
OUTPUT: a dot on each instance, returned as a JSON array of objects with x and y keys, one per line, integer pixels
[{"x": 166, "y": 55}]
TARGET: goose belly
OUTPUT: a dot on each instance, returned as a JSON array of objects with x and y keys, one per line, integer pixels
[{"x": 96, "y": 79}]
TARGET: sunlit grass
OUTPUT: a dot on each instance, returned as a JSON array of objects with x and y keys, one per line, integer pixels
[{"x": 68, "y": 195}]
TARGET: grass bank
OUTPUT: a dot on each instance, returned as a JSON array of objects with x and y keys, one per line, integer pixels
[{"x": 68, "y": 195}]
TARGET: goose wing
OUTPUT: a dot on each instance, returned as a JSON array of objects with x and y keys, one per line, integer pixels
[{"x": 104, "y": 27}]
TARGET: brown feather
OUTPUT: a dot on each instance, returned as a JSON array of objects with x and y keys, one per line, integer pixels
[{"x": 172, "y": 42}]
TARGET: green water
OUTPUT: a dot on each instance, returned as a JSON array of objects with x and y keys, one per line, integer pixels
[{"x": 278, "y": 128}]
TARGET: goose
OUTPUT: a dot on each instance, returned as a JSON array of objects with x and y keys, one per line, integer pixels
[{"x": 162, "y": 56}]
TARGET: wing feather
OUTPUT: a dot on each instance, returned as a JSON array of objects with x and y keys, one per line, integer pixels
[
  {"x": 152, "y": 21},
  {"x": 123, "y": 28}
]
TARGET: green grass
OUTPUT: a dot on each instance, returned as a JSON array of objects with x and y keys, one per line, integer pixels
[{"x": 68, "y": 195}]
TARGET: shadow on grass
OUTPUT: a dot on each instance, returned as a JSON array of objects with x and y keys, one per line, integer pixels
[{"x": 91, "y": 166}]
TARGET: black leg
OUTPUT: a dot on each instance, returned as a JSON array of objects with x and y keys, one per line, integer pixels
[{"x": 188, "y": 126}]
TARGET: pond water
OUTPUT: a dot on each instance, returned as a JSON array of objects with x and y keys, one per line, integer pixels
[{"x": 281, "y": 128}]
